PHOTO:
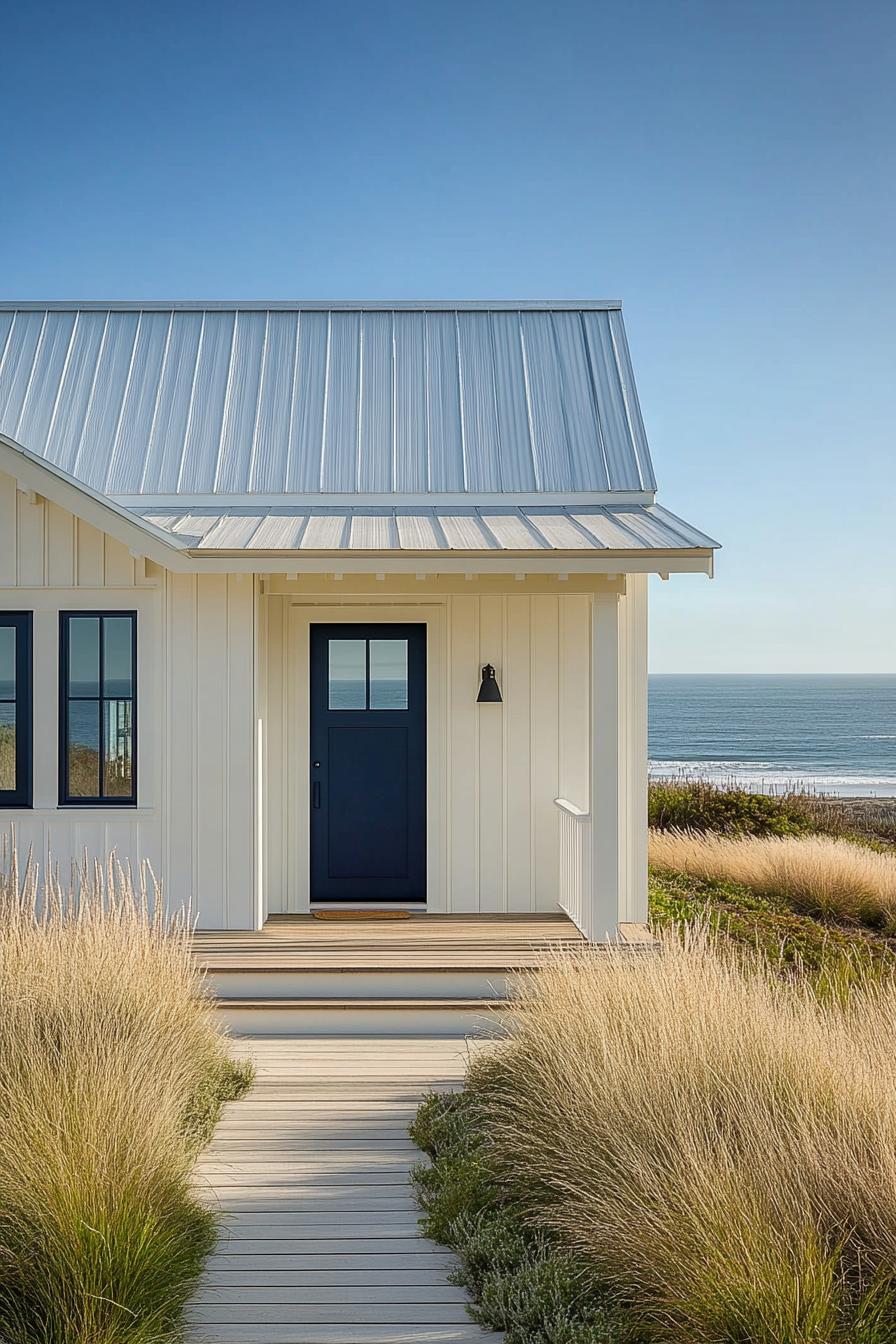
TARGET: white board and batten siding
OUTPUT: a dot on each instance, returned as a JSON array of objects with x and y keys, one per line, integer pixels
[{"x": 194, "y": 821}]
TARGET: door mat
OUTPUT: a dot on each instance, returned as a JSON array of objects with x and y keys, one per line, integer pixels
[{"x": 361, "y": 914}]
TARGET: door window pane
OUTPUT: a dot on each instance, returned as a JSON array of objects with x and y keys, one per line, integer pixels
[
  {"x": 7, "y": 745},
  {"x": 388, "y": 674},
  {"x": 118, "y": 773},
  {"x": 84, "y": 655},
  {"x": 84, "y": 749},
  {"x": 347, "y": 680},
  {"x": 7, "y": 662},
  {"x": 117, "y": 646}
]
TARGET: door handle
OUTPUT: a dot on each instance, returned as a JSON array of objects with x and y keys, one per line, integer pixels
[{"x": 315, "y": 793}]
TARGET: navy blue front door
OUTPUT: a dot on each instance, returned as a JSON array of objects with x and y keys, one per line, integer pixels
[{"x": 368, "y": 763}]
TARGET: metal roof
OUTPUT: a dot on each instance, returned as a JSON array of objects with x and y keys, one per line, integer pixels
[
  {"x": 439, "y": 528},
  {"x": 244, "y": 399}
]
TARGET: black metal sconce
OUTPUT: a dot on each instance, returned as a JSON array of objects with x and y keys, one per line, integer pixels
[{"x": 489, "y": 690}]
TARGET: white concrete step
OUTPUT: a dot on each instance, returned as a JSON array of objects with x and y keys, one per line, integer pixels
[
  {"x": 280, "y": 1016},
  {"x": 358, "y": 982}
]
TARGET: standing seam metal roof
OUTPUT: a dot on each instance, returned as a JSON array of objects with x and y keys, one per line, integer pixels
[{"x": 357, "y": 399}]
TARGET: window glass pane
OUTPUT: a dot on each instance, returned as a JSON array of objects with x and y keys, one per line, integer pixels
[
  {"x": 83, "y": 749},
  {"x": 118, "y": 771},
  {"x": 7, "y": 746},
  {"x": 83, "y": 655},
  {"x": 7, "y": 662},
  {"x": 388, "y": 674},
  {"x": 117, "y": 641},
  {"x": 348, "y": 674}
]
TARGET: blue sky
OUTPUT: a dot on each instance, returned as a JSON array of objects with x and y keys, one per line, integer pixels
[{"x": 727, "y": 169}]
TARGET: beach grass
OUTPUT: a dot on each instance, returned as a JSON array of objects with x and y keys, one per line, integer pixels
[
  {"x": 712, "y": 1144},
  {"x": 824, "y": 876},
  {"x": 112, "y": 1072},
  {"x": 729, "y": 809}
]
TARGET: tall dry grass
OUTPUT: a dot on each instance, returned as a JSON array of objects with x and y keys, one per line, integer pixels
[
  {"x": 719, "y": 1144},
  {"x": 813, "y": 873},
  {"x": 108, "y": 1056}
]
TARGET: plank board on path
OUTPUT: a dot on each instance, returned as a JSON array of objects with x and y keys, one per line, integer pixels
[
  {"x": 330, "y": 1313},
  {"x": 438, "y": 1261},
  {"x": 319, "y": 1230},
  {"x": 346, "y": 1334},
  {"x": 211, "y": 1293}
]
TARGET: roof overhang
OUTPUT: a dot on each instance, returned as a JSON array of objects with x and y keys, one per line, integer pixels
[
  {"x": 140, "y": 536},
  {"x": 182, "y": 553}
]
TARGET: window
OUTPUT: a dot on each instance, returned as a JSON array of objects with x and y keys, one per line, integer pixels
[
  {"x": 368, "y": 674},
  {"x": 15, "y": 709},
  {"x": 98, "y": 707}
]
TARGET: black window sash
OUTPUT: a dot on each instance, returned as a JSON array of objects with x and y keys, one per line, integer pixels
[
  {"x": 102, "y": 798},
  {"x": 20, "y": 794}
]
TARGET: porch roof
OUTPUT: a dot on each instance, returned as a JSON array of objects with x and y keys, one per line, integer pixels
[{"x": 535, "y": 528}]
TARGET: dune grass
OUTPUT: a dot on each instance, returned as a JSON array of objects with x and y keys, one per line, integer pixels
[
  {"x": 713, "y": 1143},
  {"x": 111, "y": 1074},
  {"x": 701, "y": 805},
  {"x": 831, "y": 878}
]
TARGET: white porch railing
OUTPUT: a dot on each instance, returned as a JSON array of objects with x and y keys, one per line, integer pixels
[{"x": 575, "y": 896}]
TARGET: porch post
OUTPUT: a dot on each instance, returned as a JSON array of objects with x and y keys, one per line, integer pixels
[{"x": 619, "y": 758}]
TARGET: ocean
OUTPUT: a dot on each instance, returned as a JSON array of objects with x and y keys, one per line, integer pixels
[{"x": 829, "y": 734}]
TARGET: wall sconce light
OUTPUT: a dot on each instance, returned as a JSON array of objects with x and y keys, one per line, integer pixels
[{"x": 489, "y": 690}]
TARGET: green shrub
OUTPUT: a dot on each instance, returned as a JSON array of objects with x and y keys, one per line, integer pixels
[{"x": 697, "y": 805}]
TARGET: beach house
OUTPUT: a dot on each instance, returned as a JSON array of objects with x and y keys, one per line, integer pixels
[{"x": 327, "y": 605}]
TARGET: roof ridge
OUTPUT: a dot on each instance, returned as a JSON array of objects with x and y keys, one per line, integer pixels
[{"x": 310, "y": 305}]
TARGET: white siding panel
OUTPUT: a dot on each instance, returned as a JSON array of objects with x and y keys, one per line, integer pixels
[
  {"x": 90, "y": 557},
  {"x": 31, "y": 541},
  {"x": 61, "y": 547},
  {"x": 574, "y": 668},
  {"x": 545, "y": 690},
  {"x": 211, "y": 705},
  {"x": 463, "y": 728},
  {"x": 237, "y": 842},
  {"x": 8, "y": 531},
  {"x": 492, "y": 801},
  {"x": 516, "y": 685}
]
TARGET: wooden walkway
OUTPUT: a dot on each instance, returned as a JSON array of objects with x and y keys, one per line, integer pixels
[{"x": 310, "y": 1171}]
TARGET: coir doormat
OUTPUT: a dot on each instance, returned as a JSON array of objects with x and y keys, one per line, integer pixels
[{"x": 349, "y": 915}]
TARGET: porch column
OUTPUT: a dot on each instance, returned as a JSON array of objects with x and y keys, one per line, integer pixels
[{"x": 619, "y": 757}]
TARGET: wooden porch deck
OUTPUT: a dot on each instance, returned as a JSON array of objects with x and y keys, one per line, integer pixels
[{"x": 483, "y": 943}]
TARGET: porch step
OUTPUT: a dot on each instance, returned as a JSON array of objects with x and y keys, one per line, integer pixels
[
  {"x": 359, "y": 1016},
  {"x": 371, "y": 982}
]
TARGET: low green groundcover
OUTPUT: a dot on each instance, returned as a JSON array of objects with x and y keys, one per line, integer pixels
[{"x": 520, "y": 1280}]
